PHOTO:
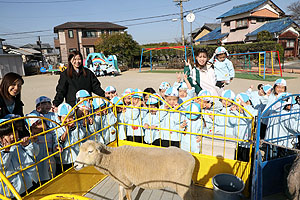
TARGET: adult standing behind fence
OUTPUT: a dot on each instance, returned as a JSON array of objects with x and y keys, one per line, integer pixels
[
  {"x": 201, "y": 74},
  {"x": 74, "y": 78},
  {"x": 10, "y": 98}
]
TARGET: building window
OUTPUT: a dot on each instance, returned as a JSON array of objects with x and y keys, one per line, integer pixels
[
  {"x": 70, "y": 33},
  {"x": 227, "y": 23},
  {"x": 242, "y": 23},
  {"x": 290, "y": 43},
  {"x": 72, "y": 49},
  {"x": 89, "y": 33},
  {"x": 87, "y": 49}
]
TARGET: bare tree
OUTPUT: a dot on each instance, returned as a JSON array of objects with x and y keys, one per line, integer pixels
[{"x": 294, "y": 8}]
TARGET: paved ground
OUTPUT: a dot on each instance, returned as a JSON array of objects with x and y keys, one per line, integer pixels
[{"x": 45, "y": 84}]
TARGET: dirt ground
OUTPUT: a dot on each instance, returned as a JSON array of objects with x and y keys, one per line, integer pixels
[{"x": 45, "y": 84}]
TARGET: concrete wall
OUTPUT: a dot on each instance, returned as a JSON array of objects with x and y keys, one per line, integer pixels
[{"x": 11, "y": 63}]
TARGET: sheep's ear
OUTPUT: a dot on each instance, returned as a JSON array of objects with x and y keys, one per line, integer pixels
[{"x": 102, "y": 148}]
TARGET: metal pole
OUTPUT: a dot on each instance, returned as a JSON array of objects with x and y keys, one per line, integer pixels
[
  {"x": 151, "y": 59},
  {"x": 40, "y": 44},
  {"x": 191, "y": 35},
  {"x": 141, "y": 60},
  {"x": 182, "y": 25}
]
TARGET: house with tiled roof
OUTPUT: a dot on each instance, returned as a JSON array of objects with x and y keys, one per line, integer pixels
[
  {"x": 81, "y": 36},
  {"x": 202, "y": 31},
  {"x": 242, "y": 23}
]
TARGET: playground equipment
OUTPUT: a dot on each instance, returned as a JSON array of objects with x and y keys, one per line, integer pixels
[
  {"x": 262, "y": 63},
  {"x": 102, "y": 65},
  {"x": 181, "y": 48},
  {"x": 61, "y": 68},
  {"x": 218, "y": 151}
]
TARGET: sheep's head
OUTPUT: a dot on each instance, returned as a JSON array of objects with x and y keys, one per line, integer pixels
[{"x": 90, "y": 154}]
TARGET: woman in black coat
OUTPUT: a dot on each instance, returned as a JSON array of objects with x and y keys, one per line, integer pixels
[
  {"x": 10, "y": 98},
  {"x": 74, "y": 78}
]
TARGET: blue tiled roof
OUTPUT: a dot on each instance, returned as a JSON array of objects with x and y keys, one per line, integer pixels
[
  {"x": 242, "y": 8},
  {"x": 274, "y": 26},
  {"x": 214, "y": 35}
]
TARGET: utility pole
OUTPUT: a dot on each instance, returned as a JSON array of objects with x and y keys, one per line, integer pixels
[
  {"x": 181, "y": 19},
  {"x": 182, "y": 25},
  {"x": 39, "y": 43}
]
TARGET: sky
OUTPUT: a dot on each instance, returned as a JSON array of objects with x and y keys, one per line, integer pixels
[{"x": 32, "y": 15}]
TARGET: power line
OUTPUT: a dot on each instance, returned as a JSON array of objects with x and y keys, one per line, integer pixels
[
  {"x": 40, "y": 2},
  {"x": 142, "y": 23},
  {"x": 29, "y": 37},
  {"x": 3, "y": 34}
]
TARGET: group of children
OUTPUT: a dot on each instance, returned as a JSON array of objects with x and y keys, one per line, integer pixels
[{"x": 175, "y": 116}]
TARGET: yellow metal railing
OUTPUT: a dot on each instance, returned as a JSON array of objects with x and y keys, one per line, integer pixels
[{"x": 218, "y": 150}]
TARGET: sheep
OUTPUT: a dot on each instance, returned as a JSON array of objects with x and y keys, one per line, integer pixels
[
  {"x": 293, "y": 179},
  {"x": 148, "y": 168}
]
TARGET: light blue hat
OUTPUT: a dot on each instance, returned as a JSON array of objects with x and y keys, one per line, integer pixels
[
  {"x": 221, "y": 50},
  {"x": 64, "y": 109},
  {"x": 286, "y": 101},
  {"x": 3, "y": 120},
  {"x": 82, "y": 94},
  {"x": 173, "y": 92},
  {"x": 152, "y": 100},
  {"x": 9, "y": 117},
  {"x": 229, "y": 94},
  {"x": 164, "y": 86},
  {"x": 110, "y": 89},
  {"x": 42, "y": 99},
  {"x": 127, "y": 91},
  {"x": 242, "y": 97},
  {"x": 267, "y": 88},
  {"x": 194, "y": 108},
  {"x": 115, "y": 100},
  {"x": 205, "y": 93},
  {"x": 98, "y": 103},
  {"x": 137, "y": 95},
  {"x": 280, "y": 81},
  {"x": 183, "y": 86},
  {"x": 31, "y": 121}
]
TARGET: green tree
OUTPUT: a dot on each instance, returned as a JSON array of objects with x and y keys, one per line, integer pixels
[
  {"x": 264, "y": 36},
  {"x": 120, "y": 44}
]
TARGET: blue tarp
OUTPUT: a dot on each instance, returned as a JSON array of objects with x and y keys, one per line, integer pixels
[
  {"x": 214, "y": 35},
  {"x": 242, "y": 8},
  {"x": 274, "y": 26}
]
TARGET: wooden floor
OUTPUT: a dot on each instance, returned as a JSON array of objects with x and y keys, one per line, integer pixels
[{"x": 108, "y": 189}]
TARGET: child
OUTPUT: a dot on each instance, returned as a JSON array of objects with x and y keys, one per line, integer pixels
[
  {"x": 259, "y": 98},
  {"x": 148, "y": 90},
  {"x": 46, "y": 168},
  {"x": 104, "y": 120},
  {"x": 120, "y": 117},
  {"x": 222, "y": 125},
  {"x": 185, "y": 90},
  {"x": 283, "y": 127},
  {"x": 11, "y": 161},
  {"x": 151, "y": 121},
  {"x": 43, "y": 106},
  {"x": 224, "y": 70},
  {"x": 192, "y": 123},
  {"x": 110, "y": 92},
  {"x": 135, "y": 116},
  {"x": 126, "y": 96},
  {"x": 162, "y": 88},
  {"x": 67, "y": 135},
  {"x": 170, "y": 120},
  {"x": 242, "y": 126}
]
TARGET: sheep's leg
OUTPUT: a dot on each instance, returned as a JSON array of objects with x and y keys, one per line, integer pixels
[
  {"x": 128, "y": 193},
  {"x": 121, "y": 194}
]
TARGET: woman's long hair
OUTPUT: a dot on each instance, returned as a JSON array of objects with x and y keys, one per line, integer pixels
[
  {"x": 201, "y": 50},
  {"x": 70, "y": 68},
  {"x": 7, "y": 81}
]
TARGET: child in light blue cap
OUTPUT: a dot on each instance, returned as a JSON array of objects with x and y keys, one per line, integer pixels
[
  {"x": 162, "y": 88},
  {"x": 43, "y": 107},
  {"x": 135, "y": 117},
  {"x": 192, "y": 123},
  {"x": 224, "y": 70},
  {"x": 104, "y": 120},
  {"x": 110, "y": 92},
  {"x": 151, "y": 121},
  {"x": 185, "y": 90},
  {"x": 67, "y": 135},
  {"x": 45, "y": 142},
  {"x": 120, "y": 110},
  {"x": 10, "y": 159}
]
